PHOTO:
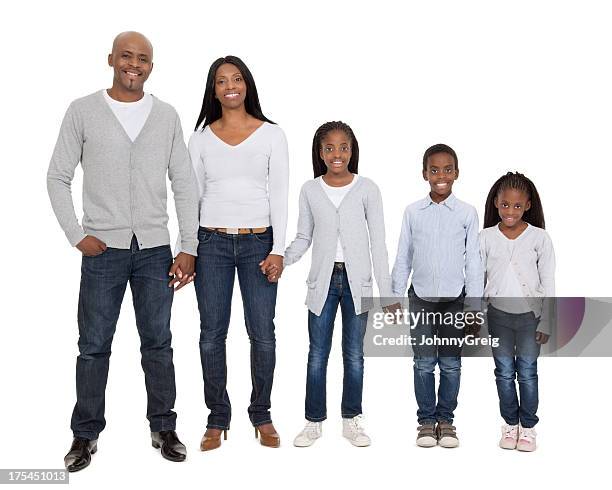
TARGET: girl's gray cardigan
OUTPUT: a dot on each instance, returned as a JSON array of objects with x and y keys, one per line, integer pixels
[{"x": 360, "y": 214}]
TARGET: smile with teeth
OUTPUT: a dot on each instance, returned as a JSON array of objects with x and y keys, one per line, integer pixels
[
  {"x": 337, "y": 162},
  {"x": 132, "y": 73},
  {"x": 442, "y": 184},
  {"x": 232, "y": 95}
]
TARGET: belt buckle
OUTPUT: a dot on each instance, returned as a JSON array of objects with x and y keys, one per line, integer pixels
[{"x": 231, "y": 231}]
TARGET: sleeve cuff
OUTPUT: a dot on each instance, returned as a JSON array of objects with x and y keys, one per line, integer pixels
[
  {"x": 189, "y": 247},
  {"x": 75, "y": 236}
]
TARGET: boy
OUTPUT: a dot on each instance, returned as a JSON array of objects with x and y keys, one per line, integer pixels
[{"x": 439, "y": 246}]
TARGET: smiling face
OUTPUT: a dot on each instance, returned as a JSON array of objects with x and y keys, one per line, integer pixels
[
  {"x": 230, "y": 87},
  {"x": 336, "y": 152},
  {"x": 132, "y": 61},
  {"x": 441, "y": 173},
  {"x": 511, "y": 205}
]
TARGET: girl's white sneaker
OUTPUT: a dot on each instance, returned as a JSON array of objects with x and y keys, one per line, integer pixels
[
  {"x": 509, "y": 437},
  {"x": 526, "y": 439},
  {"x": 310, "y": 433},
  {"x": 352, "y": 430}
]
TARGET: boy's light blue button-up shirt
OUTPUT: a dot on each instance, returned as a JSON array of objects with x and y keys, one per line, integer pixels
[{"x": 439, "y": 245}]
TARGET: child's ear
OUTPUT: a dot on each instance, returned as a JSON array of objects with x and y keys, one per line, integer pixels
[
  {"x": 495, "y": 203},
  {"x": 425, "y": 175},
  {"x": 456, "y": 173},
  {"x": 528, "y": 206},
  {"x": 321, "y": 154}
]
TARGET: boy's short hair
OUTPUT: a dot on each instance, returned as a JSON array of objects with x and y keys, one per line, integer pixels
[{"x": 439, "y": 148}]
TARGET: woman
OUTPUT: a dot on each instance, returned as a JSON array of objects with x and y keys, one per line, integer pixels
[{"x": 241, "y": 165}]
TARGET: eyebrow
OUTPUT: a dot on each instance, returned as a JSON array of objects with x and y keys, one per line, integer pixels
[{"x": 131, "y": 52}]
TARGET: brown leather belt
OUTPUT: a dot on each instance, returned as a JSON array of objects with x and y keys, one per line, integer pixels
[{"x": 238, "y": 231}]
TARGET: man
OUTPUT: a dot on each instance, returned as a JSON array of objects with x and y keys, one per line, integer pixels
[{"x": 127, "y": 141}]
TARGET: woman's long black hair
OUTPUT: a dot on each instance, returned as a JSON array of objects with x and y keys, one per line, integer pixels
[
  {"x": 211, "y": 107},
  {"x": 318, "y": 165},
  {"x": 514, "y": 180}
]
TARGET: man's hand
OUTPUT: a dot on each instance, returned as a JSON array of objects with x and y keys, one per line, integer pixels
[
  {"x": 90, "y": 246},
  {"x": 541, "y": 337},
  {"x": 182, "y": 270},
  {"x": 272, "y": 266}
]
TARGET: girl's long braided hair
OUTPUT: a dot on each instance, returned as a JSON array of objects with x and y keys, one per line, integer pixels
[
  {"x": 515, "y": 180},
  {"x": 318, "y": 165}
]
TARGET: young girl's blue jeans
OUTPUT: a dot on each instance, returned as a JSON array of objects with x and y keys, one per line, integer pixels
[
  {"x": 320, "y": 331},
  {"x": 515, "y": 357}
]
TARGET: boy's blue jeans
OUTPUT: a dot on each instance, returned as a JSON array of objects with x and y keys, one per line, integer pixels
[
  {"x": 515, "y": 357},
  {"x": 320, "y": 331},
  {"x": 448, "y": 358}
]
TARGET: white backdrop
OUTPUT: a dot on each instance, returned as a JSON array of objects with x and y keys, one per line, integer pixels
[{"x": 514, "y": 86}]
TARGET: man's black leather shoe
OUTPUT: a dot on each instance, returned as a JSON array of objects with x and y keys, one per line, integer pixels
[
  {"x": 171, "y": 448},
  {"x": 80, "y": 453}
]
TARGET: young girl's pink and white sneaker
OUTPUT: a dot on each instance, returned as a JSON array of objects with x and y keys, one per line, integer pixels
[
  {"x": 509, "y": 437},
  {"x": 527, "y": 439}
]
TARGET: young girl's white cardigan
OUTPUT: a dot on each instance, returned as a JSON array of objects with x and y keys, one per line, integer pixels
[
  {"x": 360, "y": 224},
  {"x": 532, "y": 260}
]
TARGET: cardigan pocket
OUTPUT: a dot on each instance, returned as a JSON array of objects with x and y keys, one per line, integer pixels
[
  {"x": 367, "y": 293},
  {"x": 311, "y": 293}
]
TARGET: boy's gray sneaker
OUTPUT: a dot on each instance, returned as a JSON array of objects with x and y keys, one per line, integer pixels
[
  {"x": 426, "y": 436},
  {"x": 447, "y": 435}
]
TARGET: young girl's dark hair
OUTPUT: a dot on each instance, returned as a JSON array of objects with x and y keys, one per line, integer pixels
[
  {"x": 211, "y": 107},
  {"x": 318, "y": 165},
  {"x": 514, "y": 180}
]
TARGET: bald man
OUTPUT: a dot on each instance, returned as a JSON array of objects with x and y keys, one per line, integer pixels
[{"x": 127, "y": 142}]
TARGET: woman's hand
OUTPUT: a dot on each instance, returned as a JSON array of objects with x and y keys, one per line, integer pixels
[{"x": 272, "y": 267}]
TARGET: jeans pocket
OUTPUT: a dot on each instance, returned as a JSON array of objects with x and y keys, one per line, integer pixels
[
  {"x": 266, "y": 237},
  {"x": 204, "y": 236}
]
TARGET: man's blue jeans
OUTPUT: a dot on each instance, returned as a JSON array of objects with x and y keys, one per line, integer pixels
[
  {"x": 220, "y": 255},
  {"x": 448, "y": 359},
  {"x": 515, "y": 357},
  {"x": 103, "y": 282},
  {"x": 320, "y": 331}
]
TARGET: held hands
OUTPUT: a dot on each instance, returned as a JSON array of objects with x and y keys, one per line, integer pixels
[
  {"x": 182, "y": 270},
  {"x": 90, "y": 246},
  {"x": 272, "y": 267},
  {"x": 541, "y": 337},
  {"x": 472, "y": 327},
  {"x": 395, "y": 309}
]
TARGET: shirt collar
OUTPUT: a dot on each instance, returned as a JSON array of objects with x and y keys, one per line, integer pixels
[{"x": 449, "y": 202}]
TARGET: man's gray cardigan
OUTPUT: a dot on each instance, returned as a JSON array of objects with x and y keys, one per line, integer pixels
[{"x": 124, "y": 182}]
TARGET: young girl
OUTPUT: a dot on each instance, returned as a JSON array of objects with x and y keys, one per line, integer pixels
[
  {"x": 519, "y": 263},
  {"x": 338, "y": 210}
]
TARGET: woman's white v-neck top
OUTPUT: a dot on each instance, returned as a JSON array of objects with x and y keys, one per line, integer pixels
[{"x": 243, "y": 185}]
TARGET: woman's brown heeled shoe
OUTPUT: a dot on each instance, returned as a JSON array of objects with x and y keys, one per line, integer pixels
[
  {"x": 268, "y": 437},
  {"x": 213, "y": 439}
]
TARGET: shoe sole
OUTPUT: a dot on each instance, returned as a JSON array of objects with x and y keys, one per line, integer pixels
[
  {"x": 297, "y": 444},
  {"x": 426, "y": 442},
  {"x": 525, "y": 450},
  {"x": 449, "y": 444}
]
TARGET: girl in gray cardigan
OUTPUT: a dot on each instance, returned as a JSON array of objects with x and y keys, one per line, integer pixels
[{"x": 341, "y": 215}]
